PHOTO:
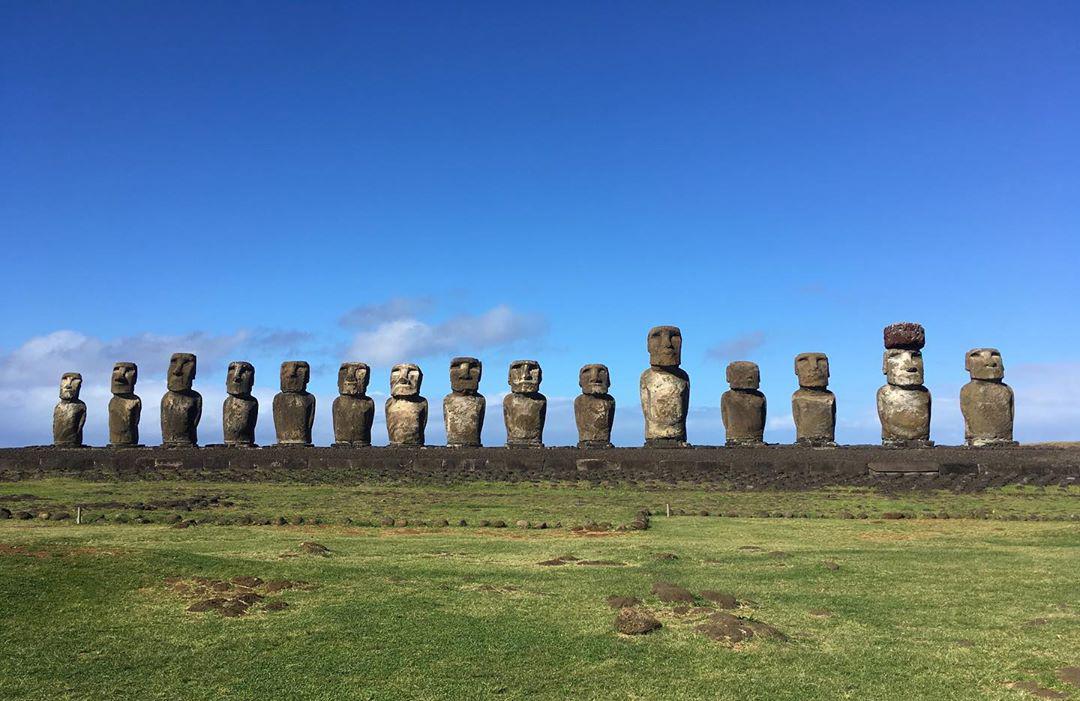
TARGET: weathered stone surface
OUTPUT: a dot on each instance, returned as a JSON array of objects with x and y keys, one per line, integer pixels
[
  {"x": 904, "y": 403},
  {"x": 464, "y": 407},
  {"x": 294, "y": 406},
  {"x": 743, "y": 406},
  {"x": 525, "y": 409},
  {"x": 785, "y": 468},
  {"x": 665, "y": 390},
  {"x": 125, "y": 407},
  {"x": 812, "y": 405},
  {"x": 240, "y": 411},
  {"x": 594, "y": 408},
  {"x": 181, "y": 407},
  {"x": 987, "y": 402},
  {"x": 69, "y": 416},
  {"x": 353, "y": 410},
  {"x": 905, "y": 335},
  {"x": 406, "y": 410}
]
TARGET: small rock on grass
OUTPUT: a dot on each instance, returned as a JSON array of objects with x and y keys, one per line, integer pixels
[{"x": 313, "y": 548}]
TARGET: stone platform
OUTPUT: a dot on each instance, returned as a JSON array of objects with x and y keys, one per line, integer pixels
[{"x": 754, "y": 466}]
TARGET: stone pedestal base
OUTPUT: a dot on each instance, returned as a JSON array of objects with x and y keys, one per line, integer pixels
[
  {"x": 666, "y": 443},
  {"x": 744, "y": 443},
  {"x": 179, "y": 444},
  {"x": 595, "y": 444},
  {"x": 904, "y": 443},
  {"x": 351, "y": 444},
  {"x": 120, "y": 446},
  {"x": 816, "y": 443},
  {"x": 525, "y": 443},
  {"x": 293, "y": 445},
  {"x": 991, "y": 443},
  {"x": 464, "y": 445}
]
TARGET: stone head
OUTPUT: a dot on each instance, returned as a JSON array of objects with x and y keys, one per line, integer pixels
[
  {"x": 906, "y": 335},
  {"x": 984, "y": 364},
  {"x": 295, "y": 375},
  {"x": 525, "y": 376},
  {"x": 181, "y": 371},
  {"x": 812, "y": 369},
  {"x": 665, "y": 346},
  {"x": 465, "y": 375},
  {"x": 70, "y": 385},
  {"x": 240, "y": 378},
  {"x": 903, "y": 367},
  {"x": 742, "y": 374},
  {"x": 124, "y": 377},
  {"x": 594, "y": 379},
  {"x": 405, "y": 380},
  {"x": 352, "y": 379}
]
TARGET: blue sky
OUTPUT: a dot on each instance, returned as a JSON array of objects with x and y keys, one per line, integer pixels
[{"x": 411, "y": 181}]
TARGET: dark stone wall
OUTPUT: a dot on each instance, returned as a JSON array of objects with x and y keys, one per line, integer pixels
[{"x": 762, "y": 466}]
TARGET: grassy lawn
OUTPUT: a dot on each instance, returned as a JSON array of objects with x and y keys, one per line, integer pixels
[{"x": 917, "y": 608}]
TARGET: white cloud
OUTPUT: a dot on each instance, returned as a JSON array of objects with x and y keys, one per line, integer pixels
[
  {"x": 369, "y": 315},
  {"x": 29, "y": 380},
  {"x": 406, "y": 339},
  {"x": 735, "y": 348}
]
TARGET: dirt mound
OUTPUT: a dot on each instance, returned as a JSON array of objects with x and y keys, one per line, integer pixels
[
  {"x": 1038, "y": 691},
  {"x": 6, "y": 549},
  {"x": 721, "y": 599},
  {"x": 231, "y": 599},
  {"x": 312, "y": 548},
  {"x": 1069, "y": 675},
  {"x": 666, "y": 556},
  {"x": 616, "y": 601},
  {"x": 672, "y": 593},
  {"x": 561, "y": 560},
  {"x": 602, "y": 563},
  {"x": 726, "y": 628},
  {"x": 632, "y": 621},
  {"x": 830, "y": 565}
]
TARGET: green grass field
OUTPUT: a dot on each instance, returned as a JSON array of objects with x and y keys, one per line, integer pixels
[{"x": 918, "y": 608}]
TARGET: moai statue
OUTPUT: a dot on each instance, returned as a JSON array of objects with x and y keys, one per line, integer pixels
[
  {"x": 594, "y": 408},
  {"x": 904, "y": 403},
  {"x": 240, "y": 412},
  {"x": 406, "y": 410},
  {"x": 353, "y": 410},
  {"x": 525, "y": 409},
  {"x": 464, "y": 407},
  {"x": 69, "y": 416},
  {"x": 812, "y": 405},
  {"x": 665, "y": 390},
  {"x": 125, "y": 407},
  {"x": 294, "y": 406},
  {"x": 181, "y": 407},
  {"x": 743, "y": 406},
  {"x": 986, "y": 401}
]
